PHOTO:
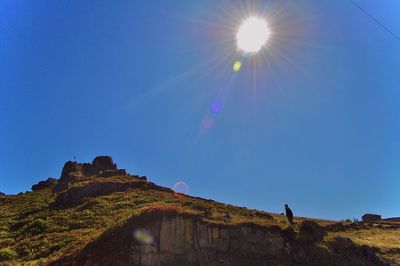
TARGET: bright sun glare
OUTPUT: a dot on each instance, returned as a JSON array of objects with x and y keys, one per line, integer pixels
[{"x": 252, "y": 35}]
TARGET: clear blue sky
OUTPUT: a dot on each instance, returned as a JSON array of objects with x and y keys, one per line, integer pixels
[{"x": 312, "y": 121}]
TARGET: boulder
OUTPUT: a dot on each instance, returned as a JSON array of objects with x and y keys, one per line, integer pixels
[
  {"x": 71, "y": 172},
  {"x": 70, "y": 168},
  {"x": 2, "y": 194},
  {"x": 104, "y": 163},
  {"x": 368, "y": 218},
  {"x": 311, "y": 232},
  {"x": 49, "y": 182}
]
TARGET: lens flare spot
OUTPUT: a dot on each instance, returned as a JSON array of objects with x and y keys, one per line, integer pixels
[
  {"x": 143, "y": 236},
  {"x": 216, "y": 107},
  {"x": 181, "y": 188},
  {"x": 207, "y": 122},
  {"x": 236, "y": 66}
]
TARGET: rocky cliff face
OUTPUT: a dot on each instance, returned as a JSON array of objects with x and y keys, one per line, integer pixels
[
  {"x": 185, "y": 240},
  {"x": 101, "y": 166},
  {"x": 167, "y": 237}
]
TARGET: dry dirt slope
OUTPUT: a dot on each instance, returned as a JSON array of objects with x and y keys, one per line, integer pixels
[{"x": 97, "y": 213}]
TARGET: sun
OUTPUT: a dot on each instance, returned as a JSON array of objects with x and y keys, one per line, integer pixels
[{"x": 252, "y": 35}]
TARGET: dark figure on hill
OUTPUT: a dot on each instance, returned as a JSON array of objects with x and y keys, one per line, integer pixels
[{"x": 289, "y": 214}]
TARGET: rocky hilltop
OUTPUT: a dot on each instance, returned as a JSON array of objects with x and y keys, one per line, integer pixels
[
  {"x": 101, "y": 166},
  {"x": 97, "y": 214}
]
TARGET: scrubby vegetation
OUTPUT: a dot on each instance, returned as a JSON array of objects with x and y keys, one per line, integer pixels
[
  {"x": 32, "y": 230},
  {"x": 7, "y": 254}
]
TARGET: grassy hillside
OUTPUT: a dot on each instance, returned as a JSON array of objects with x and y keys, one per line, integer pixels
[{"x": 33, "y": 230}]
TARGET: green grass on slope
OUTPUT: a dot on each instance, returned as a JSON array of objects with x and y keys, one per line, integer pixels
[{"x": 30, "y": 231}]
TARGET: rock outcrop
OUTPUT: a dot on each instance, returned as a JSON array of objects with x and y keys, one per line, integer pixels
[
  {"x": 104, "y": 163},
  {"x": 49, "y": 182},
  {"x": 85, "y": 180},
  {"x": 172, "y": 238},
  {"x": 186, "y": 240},
  {"x": 311, "y": 232},
  {"x": 169, "y": 238},
  {"x": 370, "y": 218},
  {"x": 101, "y": 166}
]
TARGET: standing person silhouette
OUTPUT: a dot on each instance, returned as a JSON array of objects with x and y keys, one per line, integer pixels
[{"x": 289, "y": 214}]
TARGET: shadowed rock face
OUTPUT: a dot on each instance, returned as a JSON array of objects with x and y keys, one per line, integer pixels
[
  {"x": 178, "y": 239},
  {"x": 182, "y": 239},
  {"x": 311, "y": 232},
  {"x": 45, "y": 184},
  {"x": 104, "y": 163},
  {"x": 74, "y": 196}
]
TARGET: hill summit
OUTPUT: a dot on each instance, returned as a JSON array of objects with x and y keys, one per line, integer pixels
[{"x": 98, "y": 214}]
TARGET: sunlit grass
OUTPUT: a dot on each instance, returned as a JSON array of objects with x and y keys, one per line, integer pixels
[{"x": 31, "y": 231}]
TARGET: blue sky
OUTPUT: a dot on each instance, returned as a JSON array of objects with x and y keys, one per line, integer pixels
[{"x": 312, "y": 121}]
